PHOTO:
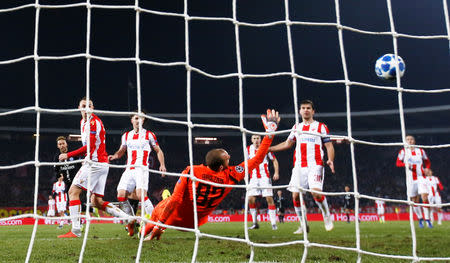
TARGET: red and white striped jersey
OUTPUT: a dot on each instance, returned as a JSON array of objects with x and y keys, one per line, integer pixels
[
  {"x": 59, "y": 189},
  {"x": 380, "y": 204},
  {"x": 51, "y": 205},
  {"x": 308, "y": 150},
  {"x": 263, "y": 168},
  {"x": 415, "y": 157},
  {"x": 97, "y": 137},
  {"x": 139, "y": 145},
  {"x": 434, "y": 184}
]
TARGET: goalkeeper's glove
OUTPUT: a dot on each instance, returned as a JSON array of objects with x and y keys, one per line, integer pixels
[{"x": 270, "y": 121}]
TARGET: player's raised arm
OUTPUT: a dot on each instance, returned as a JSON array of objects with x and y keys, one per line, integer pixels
[{"x": 270, "y": 123}]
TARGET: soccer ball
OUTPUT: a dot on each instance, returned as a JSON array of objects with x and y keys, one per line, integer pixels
[{"x": 385, "y": 66}]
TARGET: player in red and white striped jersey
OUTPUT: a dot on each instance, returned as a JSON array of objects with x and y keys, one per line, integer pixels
[
  {"x": 59, "y": 191},
  {"x": 417, "y": 163},
  {"x": 51, "y": 206},
  {"x": 308, "y": 171},
  {"x": 380, "y": 209},
  {"x": 138, "y": 144},
  {"x": 92, "y": 129},
  {"x": 434, "y": 196},
  {"x": 260, "y": 177}
]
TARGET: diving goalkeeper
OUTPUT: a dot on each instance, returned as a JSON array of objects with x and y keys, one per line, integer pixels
[{"x": 178, "y": 210}]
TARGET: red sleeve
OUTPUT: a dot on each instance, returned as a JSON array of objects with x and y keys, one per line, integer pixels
[
  {"x": 441, "y": 187},
  {"x": 427, "y": 163},
  {"x": 177, "y": 197},
  {"x": 238, "y": 172},
  {"x": 77, "y": 152},
  {"x": 400, "y": 163}
]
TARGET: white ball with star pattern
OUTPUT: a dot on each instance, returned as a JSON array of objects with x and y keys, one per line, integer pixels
[{"x": 385, "y": 67}]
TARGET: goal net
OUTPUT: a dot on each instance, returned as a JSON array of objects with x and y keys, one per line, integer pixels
[{"x": 240, "y": 92}]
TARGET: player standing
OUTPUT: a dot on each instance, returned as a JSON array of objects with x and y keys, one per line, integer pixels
[
  {"x": 260, "y": 177},
  {"x": 92, "y": 129},
  {"x": 59, "y": 190},
  {"x": 308, "y": 171},
  {"x": 178, "y": 210},
  {"x": 51, "y": 206},
  {"x": 348, "y": 203},
  {"x": 138, "y": 144},
  {"x": 281, "y": 205},
  {"x": 380, "y": 210},
  {"x": 415, "y": 159},
  {"x": 435, "y": 196},
  {"x": 68, "y": 171}
]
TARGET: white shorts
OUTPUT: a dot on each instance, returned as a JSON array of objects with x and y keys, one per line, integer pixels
[
  {"x": 133, "y": 179},
  {"x": 306, "y": 177},
  {"x": 61, "y": 206},
  {"x": 417, "y": 187},
  {"x": 51, "y": 212},
  {"x": 380, "y": 211},
  {"x": 435, "y": 200},
  {"x": 98, "y": 178},
  {"x": 260, "y": 182}
]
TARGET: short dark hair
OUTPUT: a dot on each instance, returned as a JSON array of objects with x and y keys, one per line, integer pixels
[
  {"x": 136, "y": 112},
  {"x": 214, "y": 159},
  {"x": 303, "y": 102},
  {"x": 85, "y": 98},
  {"x": 61, "y": 138}
]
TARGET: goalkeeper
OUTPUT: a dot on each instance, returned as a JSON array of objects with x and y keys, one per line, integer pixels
[{"x": 178, "y": 210}]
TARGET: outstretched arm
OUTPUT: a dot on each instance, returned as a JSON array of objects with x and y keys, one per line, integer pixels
[
  {"x": 282, "y": 146},
  {"x": 270, "y": 123},
  {"x": 118, "y": 154}
]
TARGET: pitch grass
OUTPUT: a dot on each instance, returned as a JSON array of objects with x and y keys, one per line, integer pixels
[{"x": 109, "y": 243}]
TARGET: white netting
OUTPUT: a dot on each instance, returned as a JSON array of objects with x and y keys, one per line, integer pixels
[{"x": 190, "y": 125}]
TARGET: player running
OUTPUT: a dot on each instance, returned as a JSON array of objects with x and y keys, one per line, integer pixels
[{"x": 59, "y": 190}]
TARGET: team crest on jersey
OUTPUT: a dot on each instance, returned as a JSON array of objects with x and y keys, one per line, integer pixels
[{"x": 239, "y": 169}]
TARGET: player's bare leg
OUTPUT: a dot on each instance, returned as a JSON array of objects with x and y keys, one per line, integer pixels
[
  {"x": 321, "y": 202},
  {"x": 124, "y": 204},
  {"x": 61, "y": 221},
  {"x": 272, "y": 212},
  {"x": 298, "y": 211},
  {"x": 417, "y": 210},
  {"x": 75, "y": 211},
  {"x": 426, "y": 210},
  {"x": 252, "y": 206}
]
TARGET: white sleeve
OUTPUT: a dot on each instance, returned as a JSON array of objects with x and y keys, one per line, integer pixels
[
  {"x": 124, "y": 139},
  {"x": 292, "y": 134}
]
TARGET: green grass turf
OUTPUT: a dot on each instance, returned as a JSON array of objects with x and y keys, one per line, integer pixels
[{"x": 109, "y": 243}]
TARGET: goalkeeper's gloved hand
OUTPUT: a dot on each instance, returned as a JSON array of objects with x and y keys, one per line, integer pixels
[{"x": 270, "y": 121}]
